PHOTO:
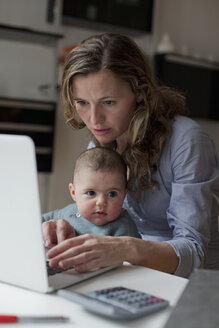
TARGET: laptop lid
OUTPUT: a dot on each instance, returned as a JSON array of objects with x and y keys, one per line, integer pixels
[
  {"x": 22, "y": 252},
  {"x": 21, "y": 248}
]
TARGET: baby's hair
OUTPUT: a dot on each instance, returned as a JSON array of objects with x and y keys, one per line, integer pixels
[{"x": 101, "y": 159}]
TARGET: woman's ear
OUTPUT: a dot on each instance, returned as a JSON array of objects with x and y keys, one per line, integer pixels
[
  {"x": 139, "y": 98},
  {"x": 72, "y": 190}
]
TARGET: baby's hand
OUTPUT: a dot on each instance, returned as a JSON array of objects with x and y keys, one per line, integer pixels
[{"x": 55, "y": 232}]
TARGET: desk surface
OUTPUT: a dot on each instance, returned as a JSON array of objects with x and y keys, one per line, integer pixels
[{"x": 14, "y": 300}]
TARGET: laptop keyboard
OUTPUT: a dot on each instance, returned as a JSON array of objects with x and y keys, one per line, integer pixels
[{"x": 52, "y": 271}]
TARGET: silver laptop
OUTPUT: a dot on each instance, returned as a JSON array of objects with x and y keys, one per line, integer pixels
[{"x": 22, "y": 252}]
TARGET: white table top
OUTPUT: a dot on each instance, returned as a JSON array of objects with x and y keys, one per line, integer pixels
[{"x": 14, "y": 300}]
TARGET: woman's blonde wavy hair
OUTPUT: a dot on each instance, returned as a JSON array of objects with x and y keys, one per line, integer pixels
[{"x": 151, "y": 121}]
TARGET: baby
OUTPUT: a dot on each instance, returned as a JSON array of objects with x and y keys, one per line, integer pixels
[{"x": 99, "y": 187}]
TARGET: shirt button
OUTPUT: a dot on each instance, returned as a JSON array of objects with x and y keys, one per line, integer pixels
[
  {"x": 78, "y": 215},
  {"x": 131, "y": 208},
  {"x": 140, "y": 220}
]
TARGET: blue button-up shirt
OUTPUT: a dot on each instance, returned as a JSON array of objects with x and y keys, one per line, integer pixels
[{"x": 183, "y": 210}]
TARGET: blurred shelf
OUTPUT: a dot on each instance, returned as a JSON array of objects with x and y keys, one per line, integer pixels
[
  {"x": 32, "y": 118},
  {"x": 23, "y": 34}
]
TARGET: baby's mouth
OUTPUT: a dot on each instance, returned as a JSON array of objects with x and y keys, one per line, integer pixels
[{"x": 101, "y": 213}]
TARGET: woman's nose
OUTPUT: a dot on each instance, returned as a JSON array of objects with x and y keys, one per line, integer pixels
[{"x": 96, "y": 115}]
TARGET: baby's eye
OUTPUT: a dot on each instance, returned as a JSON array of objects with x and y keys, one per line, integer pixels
[
  {"x": 112, "y": 194},
  {"x": 90, "y": 192}
]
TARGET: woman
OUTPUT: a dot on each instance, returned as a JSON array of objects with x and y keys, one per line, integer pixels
[{"x": 109, "y": 87}]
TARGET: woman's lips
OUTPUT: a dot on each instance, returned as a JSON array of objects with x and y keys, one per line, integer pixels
[{"x": 101, "y": 132}]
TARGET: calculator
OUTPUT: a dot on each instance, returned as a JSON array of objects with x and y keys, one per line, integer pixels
[{"x": 117, "y": 302}]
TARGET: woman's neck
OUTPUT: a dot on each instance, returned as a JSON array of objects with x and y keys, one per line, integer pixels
[
  {"x": 122, "y": 142},
  {"x": 119, "y": 144}
]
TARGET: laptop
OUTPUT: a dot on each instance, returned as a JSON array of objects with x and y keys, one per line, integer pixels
[{"x": 22, "y": 252}]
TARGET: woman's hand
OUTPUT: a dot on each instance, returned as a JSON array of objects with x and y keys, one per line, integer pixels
[
  {"x": 89, "y": 252},
  {"x": 54, "y": 232}
]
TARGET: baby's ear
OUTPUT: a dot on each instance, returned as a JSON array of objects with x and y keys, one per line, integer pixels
[{"x": 72, "y": 190}]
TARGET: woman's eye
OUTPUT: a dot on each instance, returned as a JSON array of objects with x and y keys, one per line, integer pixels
[
  {"x": 112, "y": 194},
  {"x": 80, "y": 102},
  {"x": 109, "y": 102},
  {"x": 91, "y": 193}
]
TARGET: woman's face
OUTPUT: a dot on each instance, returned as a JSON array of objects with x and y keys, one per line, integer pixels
[{"x": 105, "y": 104}]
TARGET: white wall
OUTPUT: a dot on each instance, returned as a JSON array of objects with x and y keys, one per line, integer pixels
[
  {"x": 190, "y": 23},
  {"x": 26, "y": 66},
  {"x": 193, "y": 24}
]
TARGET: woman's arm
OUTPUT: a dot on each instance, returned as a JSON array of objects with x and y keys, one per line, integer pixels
[
  {"x": 155, "y": 255},
  {"x": 88, "y": 252},
  {"x": 190, "y": 213}
]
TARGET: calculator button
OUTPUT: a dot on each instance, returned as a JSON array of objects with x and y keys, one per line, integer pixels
[{"x": 130, "y": 300}]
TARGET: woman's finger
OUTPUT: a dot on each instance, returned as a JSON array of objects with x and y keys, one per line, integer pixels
[
  {"x": 63, "y": 230},
  {"x": 49, "y": 233},
  {"x": 68, "y": 244},
  {"x": 77, "y": 254},
  {"x": 90, "y": 258},
  {"x": 95, "y": 251}
]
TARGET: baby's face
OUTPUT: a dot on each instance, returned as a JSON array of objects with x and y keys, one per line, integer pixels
[{"x": 99, "y": 196}]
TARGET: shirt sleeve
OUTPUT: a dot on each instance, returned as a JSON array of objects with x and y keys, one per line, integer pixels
[
  {"x": 58, "y": 214},
  {"x": 195, "y": 174},
  {"x": 50, "y": 216}
]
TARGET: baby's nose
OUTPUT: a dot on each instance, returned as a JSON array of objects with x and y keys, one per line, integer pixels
[{"x": 100, "y": 201}]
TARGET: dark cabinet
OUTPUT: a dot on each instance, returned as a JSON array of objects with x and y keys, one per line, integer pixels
[
  {"x": 35, "y": 119},
  {"x": 197, "y": 79}
]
